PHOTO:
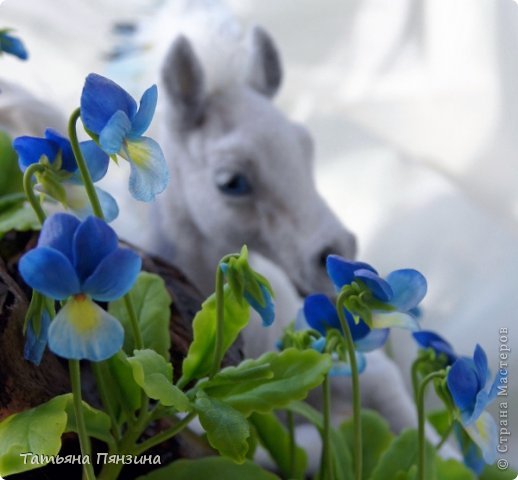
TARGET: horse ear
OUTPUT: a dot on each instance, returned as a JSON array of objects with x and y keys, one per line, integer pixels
[
  {"x": 265, "y": 72},
  {"x": 184, "y": 82}
]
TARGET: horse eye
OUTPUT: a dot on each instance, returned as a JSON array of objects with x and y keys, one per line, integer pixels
[{"x": 233, "y": 183}]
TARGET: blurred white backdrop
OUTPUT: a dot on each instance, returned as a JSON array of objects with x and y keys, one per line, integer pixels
[{"x": 413, "y": 105}]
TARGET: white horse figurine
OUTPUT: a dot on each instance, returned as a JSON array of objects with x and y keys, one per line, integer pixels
[{"x": 241, "y": 173}]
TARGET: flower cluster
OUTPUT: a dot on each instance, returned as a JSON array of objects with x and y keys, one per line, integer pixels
[
  {"x": 78, "y": 262},
  {"x": 62, "y": 181}
]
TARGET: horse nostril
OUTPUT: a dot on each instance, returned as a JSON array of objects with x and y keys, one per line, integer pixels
[{"x": 322, "y": 258}]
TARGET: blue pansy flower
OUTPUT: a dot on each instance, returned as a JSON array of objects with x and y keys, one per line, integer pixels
[
  {"x": 111, "y": 116},
  {"x": 263, "y": 305},
  {"x": 80, "y": 262},
  {"x": 12, "y": 45},
  {"x": 394, "y": 299},
  {"x": 58, "y": 151},
  {"x": 470, "y": 387},
  {"x": 428, "y": 339}
]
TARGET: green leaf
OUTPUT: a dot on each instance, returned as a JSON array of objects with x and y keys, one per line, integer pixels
[
  {"x": 492, "y": 472},
  {"x": 376, "y": 437},
  {"x": 122, "y": 388},
  {"x": 11, "y": 176},
  {"x": 151, "y": 301},
  {"x": 401, "y": 456},
  {"x": 452, "y": 470},
  {"x": 98, "y": 423},
  {"x": 37, "y": 431},
  {"x": 440, "y": 420},
  {"x": 210, "y": 468},
  {"x": 155, "y": 377},
  {"x": 19, "y": 216},
  {"x": 293, "y": 374},
  {"x": 227, "y": 429},
  {"x": 200, "y": 356},
  {"x": 274, "y": 437}
]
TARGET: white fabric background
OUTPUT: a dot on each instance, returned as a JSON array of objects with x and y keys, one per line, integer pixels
[{"x": 413, "y": 105}]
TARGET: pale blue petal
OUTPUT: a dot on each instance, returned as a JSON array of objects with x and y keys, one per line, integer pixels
[
  {"x": 394, "y": 319},
  {"x": 78, "y": 202},
  {"x": 49, "y": 272},
  {"x": 13, "y": 46},
  {"x": 58, "y": 232},
  {"x": 96, "y": 160},
  {"x": 149, "y": 174},
  {"x": 100, "y": 99},
  {"x": 94, "y": 240},
  {"x": 379, "y": 287},
  {"x": 373, "y": 340},
  {"x": 114, "y": 133},
  {"x": 266, "y": 311},
  {"x": 108, "y": 205},
  {"x": 319, "y": 344},
  {"x": 342, "y": 369},
  {"x": 480, "y": 359},
  {"x": 141, "y": 121},
  {"x": 409, "y": 287},
  {"x": 484, "y": 433},
  {"x": 114, "y": 276},
  {"x": 84, "y": 331}
]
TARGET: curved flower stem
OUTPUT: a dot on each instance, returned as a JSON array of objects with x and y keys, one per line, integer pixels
[
  {"x": 292, "y": 446},
  {"x": 358, "y": 460},
  {"x": 84, "y": 440},
  {"x": 421, "y": 420},
  {"x": 29, "y": 192},
  {"x": 415, "y": 375},
  {"x": 327, "y": 461},
  {"x": 83, "y": 169},
  {"x": 220, "y": 315}
]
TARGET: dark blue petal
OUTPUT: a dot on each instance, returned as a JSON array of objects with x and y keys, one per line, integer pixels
[
  {"x": 409, "y": 287},
  {"x": 267, "y": 312},
  {"x": 149, "y": 174},
  {"x": 84, "y": 331},
  {"x": 35, "y": 344},
  {"x": 142, "y": 119},
  {"x": 31, "y": 149},
  {"x": 68, "y": 161},
  {"x": 427, "y": 339},
  {"x": 462, "y": 383},
  {"x": 480, "y": 359},
  {"x": 49, "y": 272},
  {"x": 96, "y": 160},
  {"x": 114, "y": 276},
  {"x": 358, "y": 330},
  {"x": 94, "y": 240},
  {"x": 379, "y": 287},
  {"x": 13, "y": 46},
  {"x": 320, "y": 313},
  {"x": 100, "y": 99},
  {"x": 114, "y": 133},
  {"x": 58, "y": 232},
  {"x": 373, "y": 340},
  {"x": 340, "y": 271}
]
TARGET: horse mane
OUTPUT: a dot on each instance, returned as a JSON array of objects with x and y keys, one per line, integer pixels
[{"x": 219, "y": 39}]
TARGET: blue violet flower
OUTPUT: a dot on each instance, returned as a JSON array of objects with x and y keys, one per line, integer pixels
[
  {"x": 65, "y": 184},
  {"x": 79, "y": 262},
  {"x": 111, "y": 117},
  {"x": 428, "y": 339},
  {"x": 12, "y": 45}
]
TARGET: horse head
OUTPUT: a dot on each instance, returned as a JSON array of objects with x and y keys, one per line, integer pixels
[{"x": 242, "y": 173}]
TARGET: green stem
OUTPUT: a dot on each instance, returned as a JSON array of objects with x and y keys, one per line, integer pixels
[
  {"x": 445, "y": 436},
  {"x": 29, "y": 192},
  {"x": 84, "y": 440},
  {"x": 220, "y": 321},
  {"x": 358, "y": 460},
  {"x": 137, "y": 335},
  {"x": 99, "y": 369},
  {"x": 165, "y": 435},
  {"x": 291, "y": 446},
  {"x": 415, "y": 375},
  {"x": 83, "y": 169},
  {"x": 421, "y": 420},
  {"x": 327, "y": 460}
]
